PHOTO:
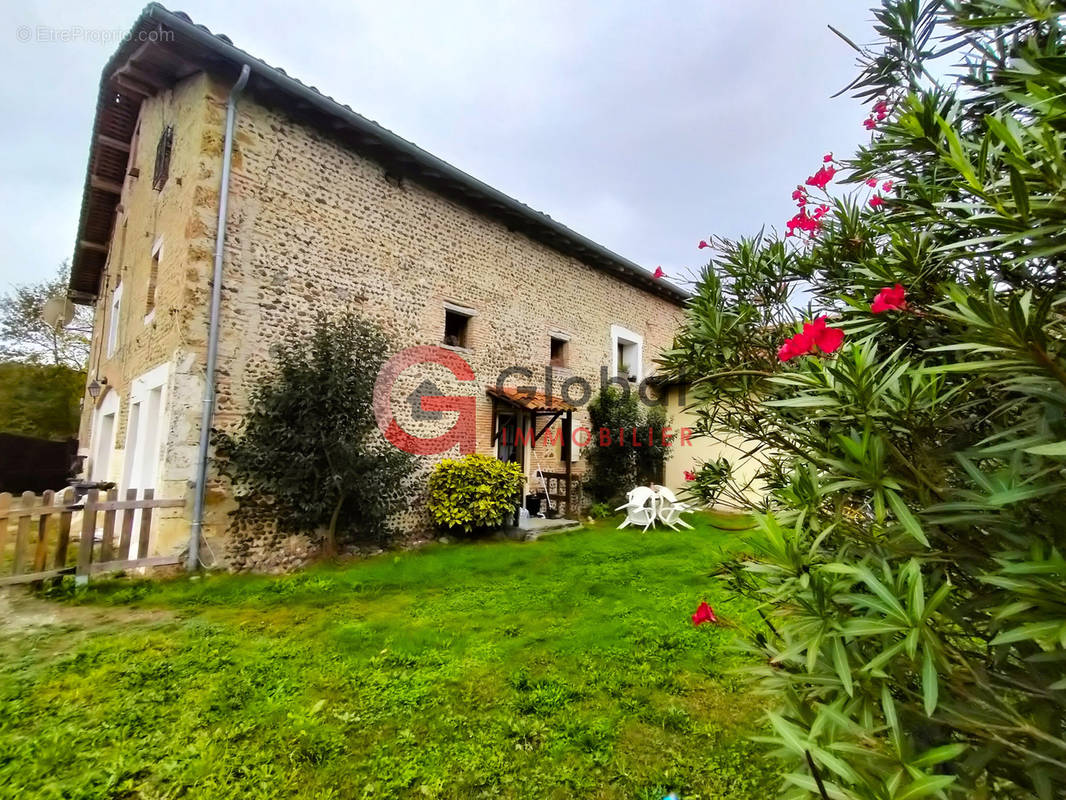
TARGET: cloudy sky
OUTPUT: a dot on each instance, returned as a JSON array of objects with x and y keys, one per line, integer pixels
[{"x": 643, "y": 126}]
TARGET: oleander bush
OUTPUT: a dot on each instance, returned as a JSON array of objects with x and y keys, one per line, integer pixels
[
  {"x": 912, "y": 420},
  {"x": 473, "y": 493}
]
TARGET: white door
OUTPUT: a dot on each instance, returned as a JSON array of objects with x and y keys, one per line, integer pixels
[
  {"x": 144, "y": 435},
  {"x": 103, "y": 437}
]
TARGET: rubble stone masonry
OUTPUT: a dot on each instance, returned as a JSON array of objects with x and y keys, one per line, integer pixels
[{"x": 316, "y": 228}]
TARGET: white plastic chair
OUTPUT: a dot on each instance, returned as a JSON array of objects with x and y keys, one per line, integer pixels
[
  {"x": 640, "y": 508},
  {"x": 669, "y": 509}
]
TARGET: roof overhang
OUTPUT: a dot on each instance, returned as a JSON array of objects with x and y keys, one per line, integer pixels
[
  {"x": 164, "y": 47},
  {"x": 535, "y": 402}
]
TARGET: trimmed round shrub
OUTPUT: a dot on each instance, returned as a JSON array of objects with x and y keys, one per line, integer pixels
[{"x": 474, "y": 492}]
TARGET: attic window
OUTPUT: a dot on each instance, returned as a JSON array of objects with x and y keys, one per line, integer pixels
[
  {"x": 456, "y": 327},
  {"x": 162, "y": 157}
]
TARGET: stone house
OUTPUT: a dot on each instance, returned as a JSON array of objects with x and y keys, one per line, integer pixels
[{"x": 325, "y": 211}]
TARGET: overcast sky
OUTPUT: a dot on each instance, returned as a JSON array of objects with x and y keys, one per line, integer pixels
[{"x": 644, "y": 126}]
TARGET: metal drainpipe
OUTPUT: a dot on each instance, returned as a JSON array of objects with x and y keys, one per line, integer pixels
[{"x": 193, "y": 561}]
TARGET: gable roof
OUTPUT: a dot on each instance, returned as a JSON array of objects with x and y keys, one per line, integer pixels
[{"x": 164, "y": 47}]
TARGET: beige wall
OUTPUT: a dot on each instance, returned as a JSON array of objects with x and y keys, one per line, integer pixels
[
  {"x": 162, "y": 345},
  {"x": 706, "y": 448},
  {"x": 314, "y": 227}
]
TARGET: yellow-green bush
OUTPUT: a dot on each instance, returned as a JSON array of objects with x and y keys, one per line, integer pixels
[{"x": 473, "y": 492}]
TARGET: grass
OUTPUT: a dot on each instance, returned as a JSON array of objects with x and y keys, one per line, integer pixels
[{"x": 564, "y": 668}]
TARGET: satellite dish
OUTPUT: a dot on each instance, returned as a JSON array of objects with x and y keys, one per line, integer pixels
[{"x": 57, "y": 312}]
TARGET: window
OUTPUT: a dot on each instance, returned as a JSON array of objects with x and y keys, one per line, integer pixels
[
  {"x": 162, "y": 157},
  {"x": 153, "y": 278},
  {"x": 628, "y": 353},
  {"x": 112, "y": 323},
  {"x": 559, "y": 351},
  {"x": 457, "y": 325}
]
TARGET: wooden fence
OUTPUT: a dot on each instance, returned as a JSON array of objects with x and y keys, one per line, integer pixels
[{"x": 43, "y": 534}]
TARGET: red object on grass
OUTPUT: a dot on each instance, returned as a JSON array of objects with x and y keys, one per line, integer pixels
[{"x": 704, "y": 614}]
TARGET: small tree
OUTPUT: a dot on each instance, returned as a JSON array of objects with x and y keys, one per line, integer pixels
[
  {"x": 634, "y": 452},
  {"x": 309, "y": 444},
  {"x": 27, "y": 338}
]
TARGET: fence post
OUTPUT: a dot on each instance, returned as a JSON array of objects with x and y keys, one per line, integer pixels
[
  {"x": 127, "y": 525},
  {"x": 109, "y": 528},
  {"x": 63, "y": 539},
  {"x": 5, "y": 521},
  {"x": 146, "y": 524},
  {"x": 23, "y": 536},
  {"x": 40, "y": 555},
  {"x": 88, "y": 533}
]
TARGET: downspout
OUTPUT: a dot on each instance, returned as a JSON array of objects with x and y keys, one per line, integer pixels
[{"x": 193, "y": 561}]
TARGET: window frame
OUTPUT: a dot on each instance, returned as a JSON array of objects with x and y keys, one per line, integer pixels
[
  {"x": 626, "y": 337},
  {"x": 468, "y": 315},
  {"x": 153, "y": 280},
  {"x": 163, "y": 150},
  {"x": 564, "y": 342},
  {"x": 114, "y": 317}
]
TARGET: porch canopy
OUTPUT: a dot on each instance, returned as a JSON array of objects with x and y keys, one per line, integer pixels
[{"x": 546, "y": 407}]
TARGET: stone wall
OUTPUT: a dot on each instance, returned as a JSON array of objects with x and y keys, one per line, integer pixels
[
  {"x": 315, "y": 228},
  {"x": 168, "y": 223}
]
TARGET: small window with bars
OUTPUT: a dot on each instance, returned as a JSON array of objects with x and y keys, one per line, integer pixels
[{"x": 162, "y": 157}]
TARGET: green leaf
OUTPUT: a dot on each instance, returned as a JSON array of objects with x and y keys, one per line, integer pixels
[
  {"x": 930, "y": 683},
  {"x": 907, "y": 519},
  {"x": 840, "y": 663},
  {"x": 1020, "y": 191},
  {"x": 1053, "y": 449}
]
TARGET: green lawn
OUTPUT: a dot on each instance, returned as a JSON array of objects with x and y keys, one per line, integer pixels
[{"x": 563, "y": 668}]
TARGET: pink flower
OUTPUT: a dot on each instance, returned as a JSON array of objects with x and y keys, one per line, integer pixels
[
  {"x": 690, "y": 475},
  {"x": 827, "y": 158},
  {"x": 821, "y": 211},
  {"x": 815, "y": 337},
  {"x": 658, "y": 273},
  {"x": 881, "y": 107},
  {"x": 804, "y": 222},
  {"x": 704, "y": 614},
  {"x": 800, "y": 195},
  {"x": 876, "y": 201},
  {"x": 869, "y": 123},
  {"x": 887, "y": 186},
  {"x": 890, "y": 299},
  {"x": 872, "y": 183},
  {"x": 821, "y": 178},
  {"x": 703, "y": 244}
]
